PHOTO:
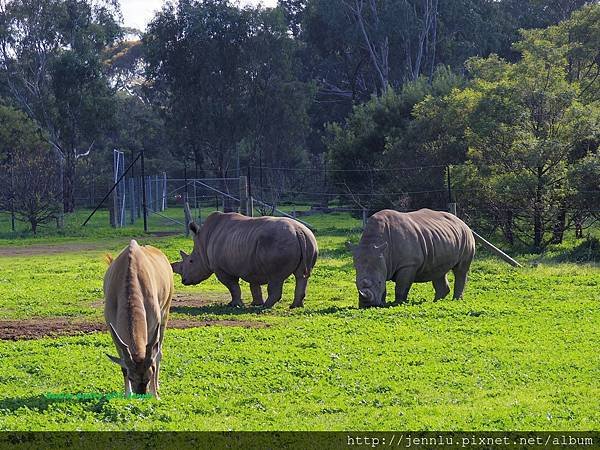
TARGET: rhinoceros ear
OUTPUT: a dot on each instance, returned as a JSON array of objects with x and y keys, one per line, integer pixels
[
  {"x": 350, "y": 246},
  {"x": 194, "y": 228},
  {"x": 183, "y": 254}
]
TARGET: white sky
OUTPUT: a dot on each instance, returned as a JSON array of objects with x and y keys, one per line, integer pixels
[{"x": 137, "y": 13}]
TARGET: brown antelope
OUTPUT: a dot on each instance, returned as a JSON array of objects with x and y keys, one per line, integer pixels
[{"x": 138, "y": 287}]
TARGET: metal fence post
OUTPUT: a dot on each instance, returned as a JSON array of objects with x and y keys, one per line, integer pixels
[
  {"x": 164, "y": 191},
  {"x": 157, "y": 199}
]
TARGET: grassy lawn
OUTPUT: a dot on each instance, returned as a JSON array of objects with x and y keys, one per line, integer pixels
[{"x": 519, "y": 352}]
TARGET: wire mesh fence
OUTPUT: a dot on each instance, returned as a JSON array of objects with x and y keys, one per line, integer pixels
[{"x": 355, "y": 190}]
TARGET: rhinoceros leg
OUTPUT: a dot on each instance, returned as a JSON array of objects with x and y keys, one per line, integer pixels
[
  {"x": 460, "y": 279},
  {"x": 442, "y": 288},
  {"x": 299, "y": 292},
  {"x": 275, "y": 289},
  {"x": 404, "y": 280},
  {"x": 257, "y": 298},
  {"x": 233, "y": 284}
]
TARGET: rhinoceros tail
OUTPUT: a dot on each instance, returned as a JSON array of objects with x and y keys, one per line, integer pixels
[{"x": 307, "y": 254}]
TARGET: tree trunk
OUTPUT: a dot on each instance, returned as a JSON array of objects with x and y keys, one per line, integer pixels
[
  {"x": 508, "y": 228},
  {"x": 559, "y": 226},
  {"x": 538, "y": 231},
  {"x": 433, "y": 40},
  {"x": 69, "y": 183},
  {"x": 578, "y": 229}
]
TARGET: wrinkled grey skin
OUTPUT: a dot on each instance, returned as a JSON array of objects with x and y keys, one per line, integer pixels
[
  {"x": 408, "y": 248},
  {"x": 260, "y": 250}
]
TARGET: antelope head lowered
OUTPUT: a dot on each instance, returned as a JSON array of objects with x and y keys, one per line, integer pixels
[{"x": 141, "y": 373}]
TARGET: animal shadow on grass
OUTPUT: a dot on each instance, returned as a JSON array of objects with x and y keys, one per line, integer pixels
[
  {"x": 217, "y": 309},
  {"x": 413, "y": 301},
  {"x": 42, "y": 402},
  {"x": 224, "y": 310},
  {"x": 330, "y": 310}
]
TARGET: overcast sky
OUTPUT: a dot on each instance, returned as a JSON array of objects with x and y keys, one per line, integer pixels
[{"x": 137, "y": 13}]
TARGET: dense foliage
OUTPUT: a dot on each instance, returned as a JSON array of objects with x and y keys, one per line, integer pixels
[
  {"x": 525, "y": 135},
  {"x": 353, "y": 92}
]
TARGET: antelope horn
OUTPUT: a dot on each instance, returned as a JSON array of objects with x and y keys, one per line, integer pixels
[{"x": 117, "y": 337}]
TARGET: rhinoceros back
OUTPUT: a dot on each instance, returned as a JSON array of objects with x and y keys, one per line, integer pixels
[
  {"x": 257, "y": 249},
  {"x": 433, "y": 242}
]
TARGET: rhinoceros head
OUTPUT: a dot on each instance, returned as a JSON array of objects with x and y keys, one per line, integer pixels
[
  {"x": 371, "y": 274},
  {"x": 192, "y": 268}
]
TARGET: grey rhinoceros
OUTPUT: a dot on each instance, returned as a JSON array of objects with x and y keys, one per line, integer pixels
[
  {"x": 409, "y": 248},
  {"x": 259, "y": 250}
]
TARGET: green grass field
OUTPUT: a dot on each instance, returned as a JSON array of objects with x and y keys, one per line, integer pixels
[{"x": 520, "y": 351}]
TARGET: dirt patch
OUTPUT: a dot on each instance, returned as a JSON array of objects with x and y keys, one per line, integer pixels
[
  {"x": 28, "y": 329},
  {"x": 188, "y": 300},
  {"x": 13, "y": 330},
  {"x": 199, "y": 300}
]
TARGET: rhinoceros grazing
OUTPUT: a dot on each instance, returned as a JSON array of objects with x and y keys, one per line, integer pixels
[
  {"x": 261, "y": 250},
  {"x": 408, "y": 248}
]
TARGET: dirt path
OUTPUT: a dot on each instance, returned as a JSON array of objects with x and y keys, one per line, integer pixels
[
  {"x": 28, "y": 329},
  {"x": 71, "y": 247},
  {"x": 51, "y": 249}
]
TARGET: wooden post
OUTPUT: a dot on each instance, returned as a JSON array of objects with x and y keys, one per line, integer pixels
[
  {"x": 250, "y": 207},
  {"x": 492, "y": 248},
  {"x": 244, "y": 195},
  {"x": 452, "y": 208},
  {"x": 196, "y": 200},
  {"x": 495, "y": 250},
  {"x": 138, "y": 197},
  {"x": 188, "y": 217}
]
